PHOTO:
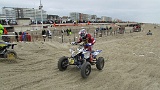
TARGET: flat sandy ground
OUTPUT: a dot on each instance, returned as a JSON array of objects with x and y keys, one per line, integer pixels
[{"x": 132, "y": 62}]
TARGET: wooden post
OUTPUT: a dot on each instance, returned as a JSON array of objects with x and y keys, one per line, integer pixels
[
  {"x": 62, "y": 38},
  {"x": 74, "y": 36}
]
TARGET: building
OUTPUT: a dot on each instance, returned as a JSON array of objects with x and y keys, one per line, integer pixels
[
  {"x": 117, "y": 20},
  {"x": 98, "y": 19},
  {"x": 86, "y": 17},
  {"x": 2, "y": 16},
  {"x": 52, "y": 17},
  {"x": 93, "y": 18},
  {"x": 9, "y": 13},
  {"x": 65, "y": 19},
  {"x": 13, "y": 13},
  {"x": 106, "y": 19},
  {"x": 109, "y": 19},
  {"x": 80, "y": 17},
  {"x": 75, "y": 16}
]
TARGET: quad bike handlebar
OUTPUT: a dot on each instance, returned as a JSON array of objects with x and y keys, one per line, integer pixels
[{"x": 7, "y": 45}]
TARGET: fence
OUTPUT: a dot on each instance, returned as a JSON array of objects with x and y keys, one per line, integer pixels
[{"x": 57, "y": 35}]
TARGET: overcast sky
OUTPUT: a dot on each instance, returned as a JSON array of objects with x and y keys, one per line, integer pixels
[{"x": 127, "y": 10}]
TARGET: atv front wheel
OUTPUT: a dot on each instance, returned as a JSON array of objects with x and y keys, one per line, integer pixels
[
  {"x": 10, "y": 54},
  {"x": 85, "y": 69},
  {"x": 100, "y": 63},
  {"x": 63, "y": 63}
]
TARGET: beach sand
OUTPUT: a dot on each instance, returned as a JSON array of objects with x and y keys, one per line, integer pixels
[{"x": 132, "y": 62}]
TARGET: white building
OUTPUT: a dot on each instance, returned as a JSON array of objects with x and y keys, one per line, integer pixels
[
  {"x": 109, "y": 19},
  {"x": 105, "y": 18},
  {"x": 75, "y": 16},
  {"x": 93, "y": 18},
  {"x": 12, "y": 13}
]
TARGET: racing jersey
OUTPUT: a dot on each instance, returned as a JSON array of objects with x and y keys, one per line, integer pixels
[{"x": 89, "y": 39}]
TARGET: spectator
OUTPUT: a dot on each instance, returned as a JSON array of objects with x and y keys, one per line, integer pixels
[
  {"x": 43, "y": 32},
  {"x": 20, "y": 33},
  {"x": 47, "y": 33},
  {"x": 16, "y": 36},
  {"x": 70, "y": 32},
  {"x": 50, "y": 34},
  {"x": 5, "y": 32},
  {"x": 149, "y": 32},
  {"x": 1, "y": 32},
  {"x": 67, "y": 32},
  {"x": 24, "y": 38},
  {"x": 62, "y": 31},
  {"x": 107, "y": 30},
  {"x": 110, "y": 29},
  {"x": 5, "y": 38},
  {"x": 44, "y": 35}
]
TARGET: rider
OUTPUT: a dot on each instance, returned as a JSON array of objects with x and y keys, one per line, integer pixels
[
  {"x": 88, "y": 41},
  {"x": 1, "y": 32}
]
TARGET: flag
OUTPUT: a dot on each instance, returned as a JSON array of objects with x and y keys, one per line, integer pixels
[
  {"x": 54, "y": 24},
  {"x": 88, "y": 22}
]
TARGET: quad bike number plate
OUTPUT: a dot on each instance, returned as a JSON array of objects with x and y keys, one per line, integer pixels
[
  {"x": 10, "y": 56},
  {"x": 71, "y": 60}
]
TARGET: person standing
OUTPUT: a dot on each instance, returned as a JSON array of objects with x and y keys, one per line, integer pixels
[
  {"x": 44, "y": 35},
  {"x": 67, "y": 32},
  {"x": 24, "y": 37},
  {"x": 107, "y": 30},
  {"x": 149, "y": 32},
  {"x": 1, "y": 32},
  {"x": 50, "y": 34},
  {"x": 47, "y": 33},
  {"x": 5, "y": 38},
  {"x": 16, "y": 36},
  {"x": 110, "y": 29},
  {"x": 70, "y": 32}
]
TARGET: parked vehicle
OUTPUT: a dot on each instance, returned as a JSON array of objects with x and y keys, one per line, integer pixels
[
  {"x": 6, "y": 51},
  {"x": 137, "y": 28}
]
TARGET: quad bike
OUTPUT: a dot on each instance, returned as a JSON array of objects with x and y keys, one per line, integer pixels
[
  {"x": 81, "y": 58},
  {"x": 6, "y": 51}
]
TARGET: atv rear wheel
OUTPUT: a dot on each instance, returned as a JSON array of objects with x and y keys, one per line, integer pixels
[
  {"x": 85, "y": 69},
  {"x": 63, "y": 63},
  {"x": 10, "y": 54},
  {"x": 100, "y": 63}
]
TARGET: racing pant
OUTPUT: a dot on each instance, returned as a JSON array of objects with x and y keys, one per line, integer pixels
[{"x": 89, "y": 48}]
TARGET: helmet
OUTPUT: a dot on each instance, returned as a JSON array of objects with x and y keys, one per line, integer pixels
[{"x": 83, "y": 33}]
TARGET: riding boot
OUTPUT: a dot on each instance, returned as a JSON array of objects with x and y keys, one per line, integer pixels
[{"x": 91, "y": 60}]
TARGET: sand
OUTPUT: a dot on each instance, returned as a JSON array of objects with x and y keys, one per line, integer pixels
[{"x": 132, "y": 62}]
